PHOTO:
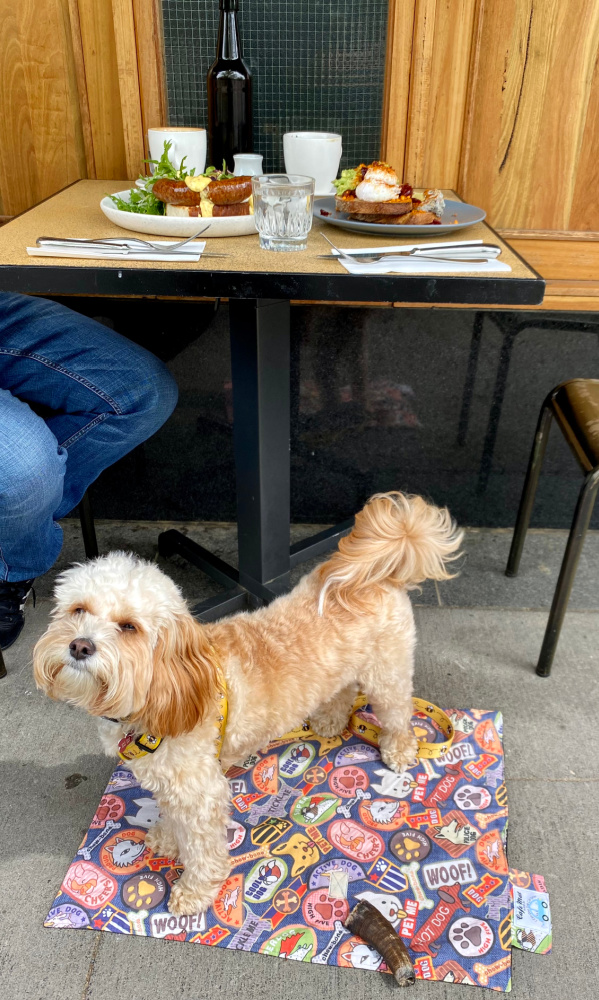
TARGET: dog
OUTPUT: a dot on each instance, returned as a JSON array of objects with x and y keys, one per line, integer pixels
[{"x": 123, "y": 645}]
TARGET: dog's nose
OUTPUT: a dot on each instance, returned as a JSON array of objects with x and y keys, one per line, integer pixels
[{"x": 80, "y": 649}]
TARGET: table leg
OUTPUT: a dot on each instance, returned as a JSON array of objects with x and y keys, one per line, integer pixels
[
  {"x": 259, "y": 330},
  {"x": 260, "y": 356},
  {"x": 260, "y": 365}
]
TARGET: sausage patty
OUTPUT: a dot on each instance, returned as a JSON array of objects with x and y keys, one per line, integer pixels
[
  {"x": 229, "y": 191},
  {"x": 175, "y": 193}
]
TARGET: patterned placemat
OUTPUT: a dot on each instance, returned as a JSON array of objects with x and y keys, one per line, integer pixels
[{"x": 316, "y": 825}]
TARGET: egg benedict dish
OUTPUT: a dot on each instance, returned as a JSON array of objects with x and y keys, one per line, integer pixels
[{"x": 373, "y": 193}]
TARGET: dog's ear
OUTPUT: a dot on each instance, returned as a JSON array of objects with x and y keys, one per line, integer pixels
[{"x": 184, "y": 680}]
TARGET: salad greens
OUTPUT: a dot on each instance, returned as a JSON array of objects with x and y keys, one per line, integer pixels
[
  {"x": 143, "y": 200},
  {"x": 348, "y": 181}
]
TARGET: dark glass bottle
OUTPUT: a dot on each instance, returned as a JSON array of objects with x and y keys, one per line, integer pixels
[{"x": 229, "y": 93}]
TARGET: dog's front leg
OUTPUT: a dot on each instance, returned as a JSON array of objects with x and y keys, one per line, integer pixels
[{"x": 197, "y": 806}]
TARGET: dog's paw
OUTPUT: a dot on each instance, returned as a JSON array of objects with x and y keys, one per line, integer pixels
[
  {"x": 325, "y": 726},
  {"x": 398, "y": 750},
  {"x": 161, "y": 841},
  {"x": 188, "y": 901}
]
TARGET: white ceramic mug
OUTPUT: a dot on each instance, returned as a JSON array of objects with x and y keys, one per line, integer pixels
[
  {"x": 247, "y": 164},
  {"x": 316, "y": 154},
  {"x": 186, "y": 142}
]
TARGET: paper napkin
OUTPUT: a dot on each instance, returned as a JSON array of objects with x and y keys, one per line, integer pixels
[{"x": 190, "y": 253}]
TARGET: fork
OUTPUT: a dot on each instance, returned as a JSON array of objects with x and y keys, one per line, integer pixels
[
  {"x": 115, "y": 242},
  {"x": 376, "y": 258}
]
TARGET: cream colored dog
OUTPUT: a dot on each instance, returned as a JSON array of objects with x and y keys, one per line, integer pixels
[{"x": 123, "y": 645}]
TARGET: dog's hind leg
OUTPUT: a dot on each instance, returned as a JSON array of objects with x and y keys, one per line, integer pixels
[{"x": 331, "y": 718}]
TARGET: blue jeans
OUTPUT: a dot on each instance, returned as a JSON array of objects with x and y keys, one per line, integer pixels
[{"x": 74, "y": 398}]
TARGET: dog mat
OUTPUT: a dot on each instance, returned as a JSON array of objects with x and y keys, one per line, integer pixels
[{"x": 318, "y": 824}]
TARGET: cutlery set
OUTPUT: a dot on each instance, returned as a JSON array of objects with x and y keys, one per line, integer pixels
[{"x": 464, "y": 252}]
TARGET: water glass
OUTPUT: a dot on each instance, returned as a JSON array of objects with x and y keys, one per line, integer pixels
[{"x": 283, "y": 210}]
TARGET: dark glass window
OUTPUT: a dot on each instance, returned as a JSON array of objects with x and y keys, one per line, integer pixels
[{"x": 316, "y": 67}]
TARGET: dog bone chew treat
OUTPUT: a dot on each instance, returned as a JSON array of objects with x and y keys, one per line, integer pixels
[
  {"x": 229, "y": 191},
  {"x": 366, "y": 921},
  {"x": 175, "y": 193}
]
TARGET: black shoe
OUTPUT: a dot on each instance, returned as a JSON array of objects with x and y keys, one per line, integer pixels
[{"x": 12, "y": 603}]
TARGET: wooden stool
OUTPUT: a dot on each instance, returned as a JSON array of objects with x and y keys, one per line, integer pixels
[
  {"x": 575, "y": 406},
  {"x": 90, "y": 545}
]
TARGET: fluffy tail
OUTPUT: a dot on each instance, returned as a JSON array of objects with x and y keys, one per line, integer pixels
[{"x": 397, "y": 539}]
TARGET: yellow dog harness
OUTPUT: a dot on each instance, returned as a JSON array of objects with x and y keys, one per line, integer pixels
[{"x": 133, "y": 746}]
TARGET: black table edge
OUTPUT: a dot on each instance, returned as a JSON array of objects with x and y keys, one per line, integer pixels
[{"x": 115, "y": 281}]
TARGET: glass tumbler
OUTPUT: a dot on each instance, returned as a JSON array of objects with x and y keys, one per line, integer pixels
[{"x": 283, "y": 210}]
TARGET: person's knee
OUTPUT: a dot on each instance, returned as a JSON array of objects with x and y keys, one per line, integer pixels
[{"x": 155, "y": 392}]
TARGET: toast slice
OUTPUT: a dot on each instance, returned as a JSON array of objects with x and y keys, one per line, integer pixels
[{"x": 356, "y": 206}]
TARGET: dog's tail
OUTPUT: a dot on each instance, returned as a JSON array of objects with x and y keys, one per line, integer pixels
[{"x": 397, "y": 539}]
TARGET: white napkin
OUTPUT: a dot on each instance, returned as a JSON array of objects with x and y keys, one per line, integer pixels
[
  {"x": 424, "y": 265},
  {"x": 467, "y": 247},
  {"x": 190, "y": 253}
]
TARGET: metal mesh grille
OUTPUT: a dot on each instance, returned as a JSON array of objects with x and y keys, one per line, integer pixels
[{"x": 316, "y": 66}]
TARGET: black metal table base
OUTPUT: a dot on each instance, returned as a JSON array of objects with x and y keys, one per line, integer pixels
[
  {"x": 260, "y": 369},
  {"x": 252, "y": 594}
]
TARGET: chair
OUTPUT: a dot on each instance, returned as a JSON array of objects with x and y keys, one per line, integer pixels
[
  {"x": 90, "y": 545},
  {"x": 575, "y": 407}
]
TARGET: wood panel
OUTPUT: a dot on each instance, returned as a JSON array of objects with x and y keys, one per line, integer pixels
[
  {"x": 441, "y": 54},
  {"x": 150, "y": 62},
  {"x": 400, "y": 31},
  {"x": 41, "y": 139},
  {"x": 101, "y": 86},
  {"x": 527, "y": 144},
  {"x": 129, "y": 87}
]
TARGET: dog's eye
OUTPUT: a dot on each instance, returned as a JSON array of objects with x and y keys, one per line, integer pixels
[
  {"x": 79, "y": 611},
  {"x": 127, "y": 627}
]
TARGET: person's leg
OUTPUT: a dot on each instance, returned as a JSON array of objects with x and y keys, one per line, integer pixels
[
  {"x": 105, "y": 394},
  {"x": 32, "y": 467}
]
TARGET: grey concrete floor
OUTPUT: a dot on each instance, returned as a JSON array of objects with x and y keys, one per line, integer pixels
[{"x": 479, "y": 636}]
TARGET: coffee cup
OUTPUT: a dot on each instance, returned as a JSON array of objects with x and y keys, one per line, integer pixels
[
  {"x": 316, "y": 154},
  {"x": 188, "y": 143}
]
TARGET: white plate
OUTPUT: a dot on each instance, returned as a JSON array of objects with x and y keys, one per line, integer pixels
[
  {"x": 172, "y": 225},
  {"x": 457, "y": 215}
]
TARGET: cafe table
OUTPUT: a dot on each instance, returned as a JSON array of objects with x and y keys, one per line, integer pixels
[{"x": 260, "y": 286}]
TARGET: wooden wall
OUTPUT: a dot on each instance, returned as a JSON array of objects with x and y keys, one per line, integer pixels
[
  {"x": 499, "y": 99},
  {"x": 80, "y": 82}
]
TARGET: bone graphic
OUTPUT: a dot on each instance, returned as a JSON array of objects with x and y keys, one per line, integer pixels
[
  {"x": 496, "y": 903},
  {"x": 428, "y": 767},
  {"x": 486, "y": 972},
  {"x": 484, "y": 819},
  {"x": 433, "y": 927},
  {"x": 494, "y": 777},
  {"x": 446, "y": 786},
  {"x": 411, "y": 873},
  {"x": 247, "y": 935},
  {"x": 276, "y": 805},
  {"x": 345, "y": 809},
  {"x": 136, "y": 919},
  {"x": 338, "y": 933},
  {"x": 86, "y": 852}
]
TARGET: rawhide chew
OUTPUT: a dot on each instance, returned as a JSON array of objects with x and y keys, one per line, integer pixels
[{"x": 366, "y": 921}]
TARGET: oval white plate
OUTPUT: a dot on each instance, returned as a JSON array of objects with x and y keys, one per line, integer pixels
[
  {"x": 457, "y": 215},
  {"x": 171, "y": 225}
]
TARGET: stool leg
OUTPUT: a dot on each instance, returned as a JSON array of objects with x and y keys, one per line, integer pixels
[
  {"x": 582, "y": 516},
  {"x": 2, "y": 666},
  {"x": 88, "y": 529},
  {"x": 530, "y": 488}
]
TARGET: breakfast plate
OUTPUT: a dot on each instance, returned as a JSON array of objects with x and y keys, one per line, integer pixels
[
  {"x": 457, "y": 215},
  {"x": 169, "y": 225}
]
